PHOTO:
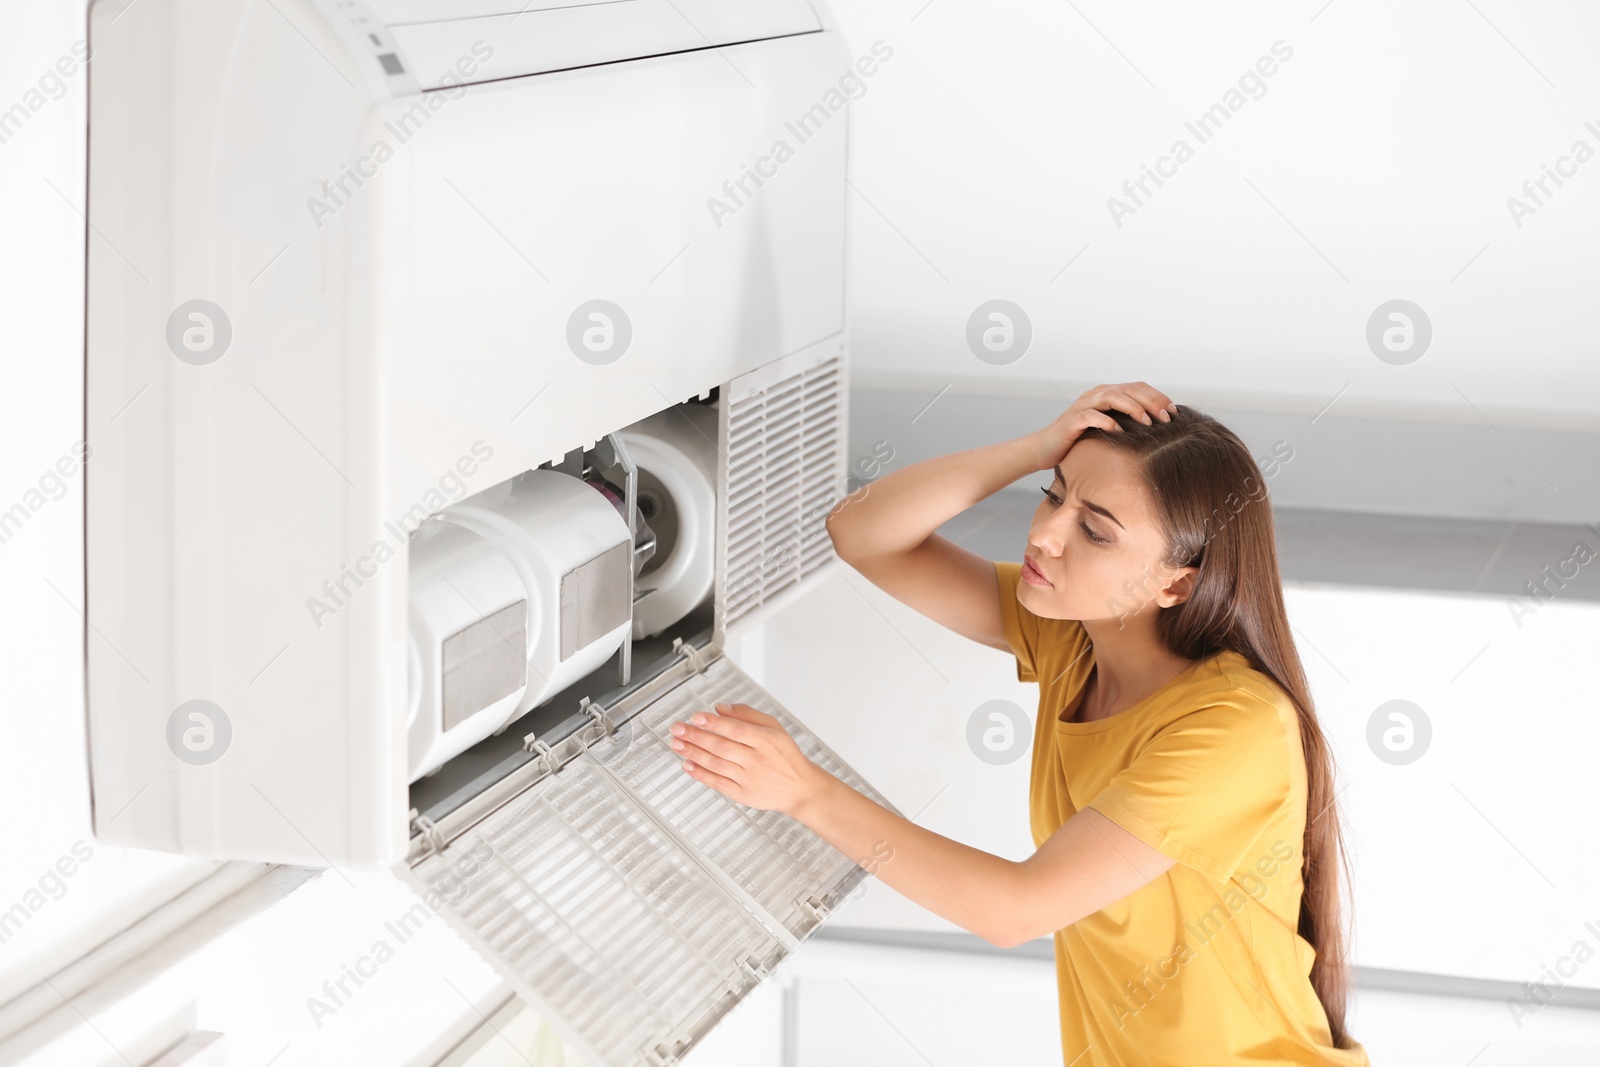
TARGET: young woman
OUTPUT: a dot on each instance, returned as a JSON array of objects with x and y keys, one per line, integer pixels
[{"x": 1182, "y": 796}]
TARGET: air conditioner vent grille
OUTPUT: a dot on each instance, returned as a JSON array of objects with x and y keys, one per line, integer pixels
[{"x": 785, "y": 470}]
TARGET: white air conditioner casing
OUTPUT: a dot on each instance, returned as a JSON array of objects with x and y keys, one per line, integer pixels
[{"x": 343, "y": 261}]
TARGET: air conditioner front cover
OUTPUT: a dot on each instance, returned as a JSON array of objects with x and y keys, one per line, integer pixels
[{"x": 631, "y": 905}]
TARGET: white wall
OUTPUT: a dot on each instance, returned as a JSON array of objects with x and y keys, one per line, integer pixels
[{"x": 1376, "y": 166}]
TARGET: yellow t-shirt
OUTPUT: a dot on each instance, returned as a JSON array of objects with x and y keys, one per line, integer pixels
[{"x": 1205, "y": 964}]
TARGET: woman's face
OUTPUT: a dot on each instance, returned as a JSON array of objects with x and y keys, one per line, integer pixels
[{"x": 1094, "y": 540}]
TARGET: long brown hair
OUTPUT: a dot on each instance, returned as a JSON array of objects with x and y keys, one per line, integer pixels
[{"x": 1211, "y": 500}]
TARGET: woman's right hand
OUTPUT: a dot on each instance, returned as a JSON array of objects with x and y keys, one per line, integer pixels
[{"x": 1136, "y": 398}]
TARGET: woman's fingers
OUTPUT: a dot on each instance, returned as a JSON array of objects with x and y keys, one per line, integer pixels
[
  {"x": 709, "y": 760},
  {"x": 1153, "y": 399},
  {"x": 1137, "y": 399},
  {"x": 1105, "y": 421},
  {"x": 746, "y": 713},
  {"x": 738, "y": 721},
  {"x": 1133, "y": 400},
  {"x": 709, "y": 741},
  {"x": 1111, "y": 396},
  {"x": 719, "y": 723},
  {"x": 724, "y": 785},
  {"x": 761, "y": 766}
]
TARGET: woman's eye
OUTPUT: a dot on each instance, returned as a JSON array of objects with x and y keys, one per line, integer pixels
[{"x": 1056, "y": 501}]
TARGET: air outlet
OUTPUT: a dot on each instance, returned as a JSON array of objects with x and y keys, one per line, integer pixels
[{"x": 783, "y": 448}]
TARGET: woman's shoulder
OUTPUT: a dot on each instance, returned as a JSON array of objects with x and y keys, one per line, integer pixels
[
  {"x": 1227, "y": 688},
  {"x": 1253, "y": 688}
]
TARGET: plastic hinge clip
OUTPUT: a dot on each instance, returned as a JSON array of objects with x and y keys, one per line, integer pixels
[
  {"x": 597, "y": 713},
  {"x": 429, "y": 831},
  {"x": 531, "y": 743},
  {"x": 818, "y": 908},
  {"x": 689, "y": 652}
]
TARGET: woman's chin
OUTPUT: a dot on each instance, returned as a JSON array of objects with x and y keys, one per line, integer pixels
[{"x": 1041, "y": 600}]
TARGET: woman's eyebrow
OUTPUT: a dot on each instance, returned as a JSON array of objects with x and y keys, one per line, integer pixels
[{"x": 1096, "y": 508}]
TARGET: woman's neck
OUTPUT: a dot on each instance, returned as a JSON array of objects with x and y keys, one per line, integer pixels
[{"x": 1129, "y": 666}]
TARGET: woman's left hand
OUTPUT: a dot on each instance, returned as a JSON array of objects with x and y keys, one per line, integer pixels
[{"x": 748, "y": 756}]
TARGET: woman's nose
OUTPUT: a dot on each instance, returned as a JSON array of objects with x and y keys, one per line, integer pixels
[{"x": 1046, "y": 540}]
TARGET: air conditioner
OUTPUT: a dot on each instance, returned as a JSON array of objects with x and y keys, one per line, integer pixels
[{"x": 460, "y": 376}]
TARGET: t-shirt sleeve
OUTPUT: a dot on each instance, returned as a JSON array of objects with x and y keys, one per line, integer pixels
[{"x": 1203, "y": 789}]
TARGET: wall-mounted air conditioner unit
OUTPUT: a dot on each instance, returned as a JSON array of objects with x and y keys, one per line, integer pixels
[{"x": 458, "y": 376}]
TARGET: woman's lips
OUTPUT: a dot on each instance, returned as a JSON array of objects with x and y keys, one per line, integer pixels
[{"x": 1031, "y": 573}]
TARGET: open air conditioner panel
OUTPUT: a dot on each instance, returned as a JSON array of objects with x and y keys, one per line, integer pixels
[
  {"x": 629, "y": 903},
  {"x": 632, "y": 905},
  {"x": 777, "y": 462}
]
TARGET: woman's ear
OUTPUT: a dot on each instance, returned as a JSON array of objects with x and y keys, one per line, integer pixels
[{"x": 1179, "y": 587}]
